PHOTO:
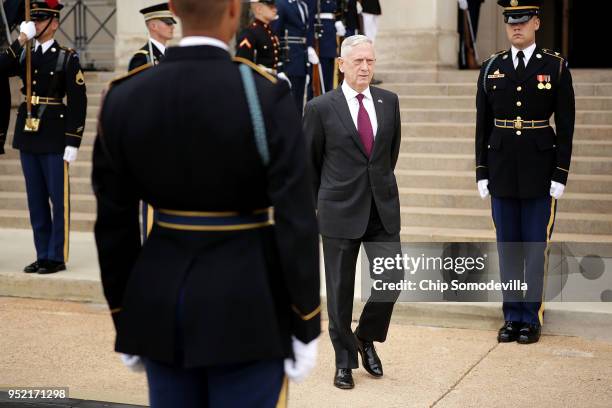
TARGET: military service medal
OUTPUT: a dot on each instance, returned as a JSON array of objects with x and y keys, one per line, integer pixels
[{"x": 542, "y": 79}]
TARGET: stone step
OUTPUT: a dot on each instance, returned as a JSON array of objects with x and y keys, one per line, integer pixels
[
  {"x": 458, "y": 162},
  {"x": 21, "y": 219},
  {"x": 469, "y": 198},
  {"x": 585, "y": 103},
  {"x": 16, "y": 183},
  {"x": 591, "y": 117},
  {"x": 468, "y": 130},
  {"x": 79, "y": 203},
  {"x": 469, "y": 89},
  {"x": 441, "y": 234},
  {"x": 466, "y": 146},
  {"x": 466, "y": 180},
  {"x": 457, "y": 76},
  {"x": 566, "y": 222}
]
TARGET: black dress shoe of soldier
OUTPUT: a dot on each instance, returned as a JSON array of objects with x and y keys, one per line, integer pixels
[
  {"x": 33, "y": 267},
  {"x": 51, "y": 267},
  {"x": 530, "y": 334},
  {"x": 369, "y": 358},
  {"x": 344, "y": 379},
  {"x": 509, "y": 332}
]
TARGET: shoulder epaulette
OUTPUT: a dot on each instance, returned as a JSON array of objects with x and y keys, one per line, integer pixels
[
  {"x": 553, "y": 53},
  {"x": 495, "y": 54},
  {"x": 144, "y": 52},
  {"x": 68, "y": 50},
  {"x": 130, "y": 74},
  {"x": 257, "y": 69}
]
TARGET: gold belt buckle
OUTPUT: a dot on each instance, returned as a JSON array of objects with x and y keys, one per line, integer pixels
[{"x": 518, "y": 124}]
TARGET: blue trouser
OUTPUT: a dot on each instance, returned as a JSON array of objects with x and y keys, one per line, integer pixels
[
  {"x": 523, "y": 228},
  {"x": 46, "y": 177},
  {"x": 298, "y": 83},
  {"x": 259, "y": 384}
]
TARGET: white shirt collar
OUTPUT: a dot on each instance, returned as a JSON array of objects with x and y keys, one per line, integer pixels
[
  {"x": 159, "y": 45},
  {"x": 45, "y": 46},
  {"x": 527, "y": 51},
  {"x": 201, "y": 40},
  {"x": 350, "y": 93}
]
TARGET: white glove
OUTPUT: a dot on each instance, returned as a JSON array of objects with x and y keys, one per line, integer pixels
[
  {"x": 134, "y": 363},
  {"x": 340, "y": 29},
  {"x": 29, "y": 29},
  {"x": 483, "y": 188},
  {"x": 556, "y": 189},
  {"x": 283, "y": 76},
  {"x": 70, "y": 154},
  {"x": 312, "y": 56},
  {"x": 359, "y": 8},
  {"x": 305, "y": 359},
  {"x": 463, "y": 5}
]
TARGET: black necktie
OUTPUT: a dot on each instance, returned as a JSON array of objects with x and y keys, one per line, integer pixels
[
  {"x": 520, "y": 68},
  {"x": 38, "y": 54}
]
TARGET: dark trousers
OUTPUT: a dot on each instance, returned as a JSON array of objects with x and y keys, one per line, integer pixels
[
  {"x": 260, "y": 384},
  {"x": 48, "y": 190},
  {"x": 523, "y": 228},
  {"x": 340, "y": 256},
  {"x": 298, "y": 84}
]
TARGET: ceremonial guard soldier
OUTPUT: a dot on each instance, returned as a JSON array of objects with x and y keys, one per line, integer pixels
[
  {"x": 293, "y": 29},
  {"x": 160, "y": 24},
  {"x": 48, "y": 132},
  {"x": 222, "y": 300},
  {"x": 521, "y": 161},
  {"x": 326, "y": 21},
  {"x": 257, "y": 43}
]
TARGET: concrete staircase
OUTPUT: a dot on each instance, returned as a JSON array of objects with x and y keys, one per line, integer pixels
[{"x": 436, "y": 168}]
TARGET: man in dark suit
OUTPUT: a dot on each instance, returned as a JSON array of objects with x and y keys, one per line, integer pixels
[
  {"x": 521, "y": 161},
  {"x": 354, "y": 134},
  {"x": 160, "y": 25},
  {"x": 222, "y": 300}
]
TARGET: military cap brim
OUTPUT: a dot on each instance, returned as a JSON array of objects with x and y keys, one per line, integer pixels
[
  {"x": 45, "y": 9},
  {"x": 519, "y": 11},
  {"x": 158, "y": 12}
]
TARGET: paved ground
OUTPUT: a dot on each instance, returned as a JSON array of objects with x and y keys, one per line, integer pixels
[{"x": 50, "y": 343}]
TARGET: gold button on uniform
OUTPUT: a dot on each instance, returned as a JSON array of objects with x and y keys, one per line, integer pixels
[
  {"x": 518, "y": 133},
  {"x": 519, "y": 88},
  {"x": 519, "y": 103}
]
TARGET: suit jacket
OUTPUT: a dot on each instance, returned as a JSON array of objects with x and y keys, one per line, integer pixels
[
  {"x": 521, "y": 162},
  {"x": 165, "y": 139},
  {"x": 346, "y": 182}
]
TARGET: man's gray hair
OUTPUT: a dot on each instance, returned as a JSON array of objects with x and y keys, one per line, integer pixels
[{"x": 350, "y": 42}]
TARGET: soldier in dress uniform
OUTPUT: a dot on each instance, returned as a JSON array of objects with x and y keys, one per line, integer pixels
[
  {"x": 521, "y": 161},
  {"x": 160, "y": 24},
  {"x": 222, "y": 300},
  {"x": 49, "y": 139},
  {"x": 326, "y": 23},
  {"x": 293, "y": 28},
  {"x": 257, "y": 43}
]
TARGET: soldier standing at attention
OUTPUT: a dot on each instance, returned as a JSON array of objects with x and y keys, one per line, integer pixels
[
  {"x": 160, "y": 24},
  {"x": 520, "y": 160},
  {"x": 221, "y": 303},
  {"x": 47, "y": 137}
]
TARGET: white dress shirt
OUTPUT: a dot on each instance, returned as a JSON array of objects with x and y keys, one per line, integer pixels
[
  {"x": 351, "y": 98},
  {"x": 45, "y": 46},
  {"x": 201, "y": 40},
  {"x": 527, "y": 51},
  {"x": 159, "y": 45}
]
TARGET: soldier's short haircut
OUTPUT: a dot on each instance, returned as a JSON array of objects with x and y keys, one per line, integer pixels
[
  {"x": 200, "y": 13},
  {"x": 353, "y": 41}
]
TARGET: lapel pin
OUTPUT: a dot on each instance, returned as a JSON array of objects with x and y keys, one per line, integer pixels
[
  {"x": 380, "y": 101},
  {"x": 539, "y": 56}
]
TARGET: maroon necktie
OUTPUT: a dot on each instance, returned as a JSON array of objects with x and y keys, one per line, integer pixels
[{"x": 364, "y": 126}]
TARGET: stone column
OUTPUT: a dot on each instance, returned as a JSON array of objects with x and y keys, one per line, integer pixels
[{"x": 418, "y": 33}]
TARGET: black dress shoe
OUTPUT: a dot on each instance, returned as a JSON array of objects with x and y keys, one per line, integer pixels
[
  {"x": 369, "y": 358},
  {"x": 530, "y": 334},
  {"x": 51, "y": 267},
  {"x": 509, "y": 332},
  {"x": 33, "y": 267},
  {"x": 344, "y": 379}
]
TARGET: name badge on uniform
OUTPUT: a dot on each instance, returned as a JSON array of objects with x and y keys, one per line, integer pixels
[
  {"x": 496, "y": 75},
  {"x": 544, "y": 82}
]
